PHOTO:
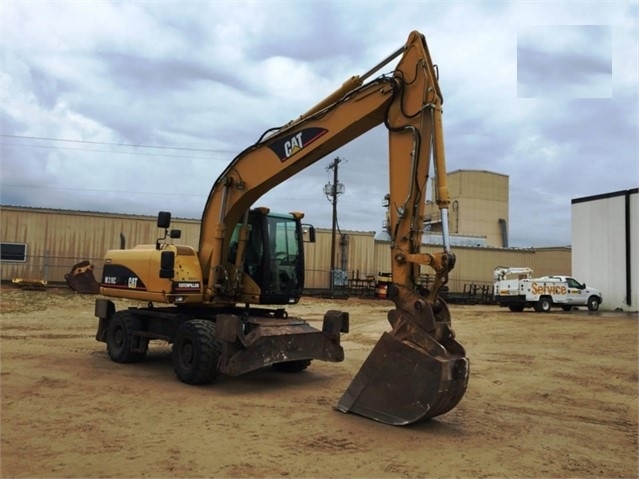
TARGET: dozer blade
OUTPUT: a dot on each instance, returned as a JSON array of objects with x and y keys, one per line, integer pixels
[
  {"x": 416, "y": 372},
  {"x": 273, "y": 341}
]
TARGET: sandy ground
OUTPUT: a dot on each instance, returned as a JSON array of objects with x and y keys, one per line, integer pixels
[{"x": 550, "y": 395}]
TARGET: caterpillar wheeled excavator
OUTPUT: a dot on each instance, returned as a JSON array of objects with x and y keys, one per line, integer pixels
[{"x": 219, "y": 305}]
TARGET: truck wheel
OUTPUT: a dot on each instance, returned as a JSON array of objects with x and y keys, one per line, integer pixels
[
  {"x": 196, "y": 352},
  {"x": 543, "y": 305},
  {"x": 593, "y": 303},
  {"x": 292, "y": 366},
  {"x": 516, "y": 308},
  {"x": 120, "y": 341}
]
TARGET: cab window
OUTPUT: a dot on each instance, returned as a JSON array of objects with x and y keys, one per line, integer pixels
[{"x": 573, "y": 283}]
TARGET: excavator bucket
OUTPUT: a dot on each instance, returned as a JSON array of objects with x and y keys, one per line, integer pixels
[
  {"x": 81, "y": 278},
  {"x": 415, "y": 372}
]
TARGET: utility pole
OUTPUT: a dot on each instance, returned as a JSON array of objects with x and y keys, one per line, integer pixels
[{"x": 333, "y": 190}]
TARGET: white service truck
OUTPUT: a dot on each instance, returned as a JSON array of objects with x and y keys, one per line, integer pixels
[{"x": 516, "y": 289}]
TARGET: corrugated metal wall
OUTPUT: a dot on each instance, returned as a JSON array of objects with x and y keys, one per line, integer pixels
[
  {"x": 605, "y": 231},
  {"x": 56, "y": 240}
]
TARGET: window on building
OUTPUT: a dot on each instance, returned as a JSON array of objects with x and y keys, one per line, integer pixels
[{"x": 15, "y": 252}]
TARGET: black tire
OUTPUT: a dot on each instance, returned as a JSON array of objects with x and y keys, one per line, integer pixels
[
  {"x": 516, "y": 308},
  {"x": 292, "y": 366},
  {"x": 196, "y": 352},
  {"x": 543, "y": 305},
  {"x": 593, "y": 303},
  {"x": 566, "y": 308},
  {"x": 120, "y": 341}
]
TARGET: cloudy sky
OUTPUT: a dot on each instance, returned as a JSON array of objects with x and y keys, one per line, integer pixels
[{"x": 136, "y": 107}]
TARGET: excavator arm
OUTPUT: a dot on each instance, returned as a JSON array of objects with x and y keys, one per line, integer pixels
[{"x": 417, "y": 370}]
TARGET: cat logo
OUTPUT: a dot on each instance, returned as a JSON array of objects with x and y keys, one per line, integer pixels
[
  {"x": 290, "y": 145},
  {"x": 293, "y": 145}
]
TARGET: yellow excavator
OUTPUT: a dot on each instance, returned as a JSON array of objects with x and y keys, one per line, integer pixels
[{"x": 221, "y": 306}]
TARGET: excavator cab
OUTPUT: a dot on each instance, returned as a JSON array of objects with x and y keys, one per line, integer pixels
[{"x": 273, "y": 255}]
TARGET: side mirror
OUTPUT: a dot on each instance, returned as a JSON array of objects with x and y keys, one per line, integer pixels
[
  {"x": 167, "y": 264},
  {"x": 310, "y": 229},
  {"x": 164, "y": 219}
]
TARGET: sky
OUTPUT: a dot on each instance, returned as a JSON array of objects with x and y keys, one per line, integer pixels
[{"x": 137, "y": 107}]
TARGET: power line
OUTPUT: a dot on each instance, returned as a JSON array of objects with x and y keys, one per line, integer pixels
[
  {"x": 134, "y": 153},
  {"x": 163, "y": 193},
  {"x": 24, "y": 137}
]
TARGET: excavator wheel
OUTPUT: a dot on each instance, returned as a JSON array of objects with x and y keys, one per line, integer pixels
[
  {"x": 196, "y": 352},
  {"x": 122, "y": 345}
]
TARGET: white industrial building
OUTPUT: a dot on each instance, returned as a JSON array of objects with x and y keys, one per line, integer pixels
[{"x": 605, "y": 247}]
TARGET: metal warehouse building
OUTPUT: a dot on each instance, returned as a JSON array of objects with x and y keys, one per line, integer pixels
[
  {"x": 605, "y": 246},
  {"x": 39, "y": 243}
]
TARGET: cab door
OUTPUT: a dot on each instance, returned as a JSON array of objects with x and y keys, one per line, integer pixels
[{"x": 576, "y": 292}]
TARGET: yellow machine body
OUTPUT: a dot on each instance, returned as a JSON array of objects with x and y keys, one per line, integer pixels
[{"x": 134, "y": 274}]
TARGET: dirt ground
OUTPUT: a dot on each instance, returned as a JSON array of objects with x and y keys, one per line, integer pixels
[{"x": 550, "y": 395}]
